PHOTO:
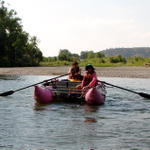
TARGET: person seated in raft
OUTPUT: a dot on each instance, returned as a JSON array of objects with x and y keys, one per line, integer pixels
[
  {"x": 75, "y": 72},
  {"x": 89, "y": 78}
]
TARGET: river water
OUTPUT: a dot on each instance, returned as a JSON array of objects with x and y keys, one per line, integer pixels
[{"x": 122, "y": 123}]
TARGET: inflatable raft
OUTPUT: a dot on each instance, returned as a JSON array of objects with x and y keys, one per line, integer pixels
[{"x": 67, "y": 90}]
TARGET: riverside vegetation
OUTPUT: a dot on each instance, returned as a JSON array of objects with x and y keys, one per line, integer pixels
[
  {"x": 98, "y": 59},
  {"x": 19, "y": 49}
]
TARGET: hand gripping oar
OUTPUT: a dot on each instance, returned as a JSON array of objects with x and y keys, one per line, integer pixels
[
  {"x": 11, "y": 92},
  {"x": 145, "y": 95}
]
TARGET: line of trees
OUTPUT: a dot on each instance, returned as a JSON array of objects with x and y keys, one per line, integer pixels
[
  {"x": 17, "y": 47},
  {"x": 65, "y": 57}
]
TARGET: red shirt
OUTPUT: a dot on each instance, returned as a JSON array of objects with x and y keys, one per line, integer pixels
[{"x": 89, "y": 79}]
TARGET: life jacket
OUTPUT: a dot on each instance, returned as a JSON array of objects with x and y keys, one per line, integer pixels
[
  {"x": 73, "y": 71},
  {"x": 88, "y": 77}
]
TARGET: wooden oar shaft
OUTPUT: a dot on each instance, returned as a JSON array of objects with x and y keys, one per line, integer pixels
[
  {"x": 11, "y": 92},
  {"x": 40, "y": 82},
  {"x": 145, "y": 95},
  {"x": 119, "y": 87}
]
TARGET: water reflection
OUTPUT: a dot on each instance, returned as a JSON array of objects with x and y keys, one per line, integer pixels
[
  {"x": 9, "y": 77},
  {"x": 90, "y": 120},
  {"x": 91, "y": 108},
  {"x": 121, "y": 123},
  {"x": 39, "y": 107}
]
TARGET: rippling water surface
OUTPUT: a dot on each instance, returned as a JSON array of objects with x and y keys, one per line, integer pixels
[{"x": 122, "y": 123}]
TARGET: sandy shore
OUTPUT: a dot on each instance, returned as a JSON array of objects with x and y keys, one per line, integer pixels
[{"x": 129, "y": 72}]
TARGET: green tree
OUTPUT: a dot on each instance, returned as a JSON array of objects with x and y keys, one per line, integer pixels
[
  {"x": 100, "y": 55},
  {"x": 17, "y": 48},
  {"x": 84, "y": 54},
  {"x": 64, "y": 54},
  {"x": 90, "y": 54},
  {"x": 87, "y": 54},
  {"x": 117, "y": 59},
  {"x": 75, "y": 57}
]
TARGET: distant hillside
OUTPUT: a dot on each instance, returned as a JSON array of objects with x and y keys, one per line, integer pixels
[{"x": 128, "y": 52}]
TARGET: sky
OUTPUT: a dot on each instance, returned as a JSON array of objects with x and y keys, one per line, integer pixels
[{"x": 83, "y": 25}]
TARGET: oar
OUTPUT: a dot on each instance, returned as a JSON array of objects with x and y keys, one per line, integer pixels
[
  {"x": 11, "y": 92},
  {"x": 145, "y": 95}
]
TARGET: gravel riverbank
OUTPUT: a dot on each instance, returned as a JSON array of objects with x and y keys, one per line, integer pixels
[{"x": 129, "y": 72}]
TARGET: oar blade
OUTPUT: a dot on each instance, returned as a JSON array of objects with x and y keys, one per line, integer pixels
[
  {"x": 7, "y": 93},
  {"x": 145, "y": 95}
]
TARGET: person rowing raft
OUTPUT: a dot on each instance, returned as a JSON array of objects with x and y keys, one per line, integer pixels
[
  {"x": 75, "y": 72},
  {"x": 89, "y": 78}
]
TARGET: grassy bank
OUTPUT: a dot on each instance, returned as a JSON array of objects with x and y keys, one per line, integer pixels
[{"x": 100, "y": 62}]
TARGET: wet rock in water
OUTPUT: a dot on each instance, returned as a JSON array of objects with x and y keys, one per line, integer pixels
[{"x": 90, "y": 120}]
